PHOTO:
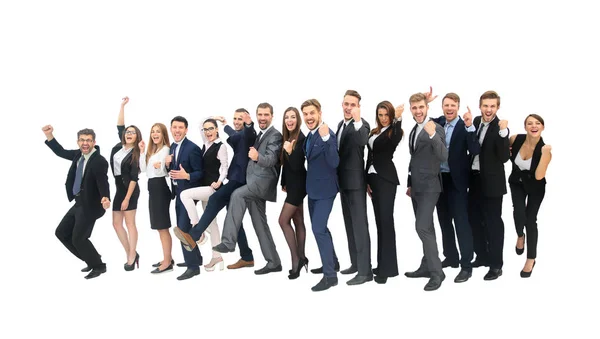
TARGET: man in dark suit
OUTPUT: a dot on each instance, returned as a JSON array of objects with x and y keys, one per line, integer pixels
[
  {"x": 240, "y": 139},
  {"x": 352, "y": 137},
  {"x": 87, "y": 184},
  {"x": 185, "y": 164},
  {"x": 461, "y": 142},
  {"x": 428, "y": 150},
  {"x": 320, "y": 147},
  {"x": 488, "y": 186},
  {"x": 262, "y": 176}
]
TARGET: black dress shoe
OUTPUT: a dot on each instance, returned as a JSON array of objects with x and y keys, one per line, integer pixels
[
  {"x": 435, "y": 282},
  {"x": 181, "y": 264},
  {"x": 157, "y": 270},
  {"x": 172, "y": 263},
  {"x": 421, "y": 272},
  {"x": 320, "y": 269},
  {"x": 189, "y": 273},
  {"x": 350, "y": 270},
  {"x": 221, "y": 248},
  {"x": 375, "y": 270},
  {"x": 96, "y": 272},
  {"x": 527, "y": 274},
  {"x": 493, "y": 274},
  {"x": 449, "y": 263},
  {"x": 325, "y": 284},
  {"x": 86, "y": 269},
  {"x": 360, "y": 279},
  {"x": 463, "y": 276},
  {"x": 380, "y": 280},
  {"x": 479, "y": 263},
  {"x": 267, "y": 269}
]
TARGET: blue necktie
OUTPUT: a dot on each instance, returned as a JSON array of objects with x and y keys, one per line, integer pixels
[
  {"x": 78, "y": 175},
  {"x": 310, "y": 134}
]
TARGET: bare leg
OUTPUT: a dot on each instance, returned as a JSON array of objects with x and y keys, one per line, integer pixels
[
  {"x": 133, "y": 235},
  {"x": 121, "y": 233},
  {"x": 167, "y": 244}
]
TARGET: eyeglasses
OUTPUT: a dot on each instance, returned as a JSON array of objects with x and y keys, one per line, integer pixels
[
  {"x": 85, "y": 140},
  {"x": 210, "y": 129},
  {"x": 130, "y": 133}
]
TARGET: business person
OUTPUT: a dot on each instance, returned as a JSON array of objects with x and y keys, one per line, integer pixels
[
  {"x": 382, "y": 182},
  {"x": 428, "y": 150},
  {"x": 241, "y": 137},
  {"x": 320, "y": 148},
  {"x": 262, "y": 176},
  {"x": 488, "y": 186},
  {"x": 125, "y": 164},
  {"x": 153, "y": 163},
  {"x": 87, "y": 184},
  {"x": 452, "y": 205},
  {"x": 530, "y": 159},
  {"x": 352, "y": 136},
  {"x": 185, "y": 163}
]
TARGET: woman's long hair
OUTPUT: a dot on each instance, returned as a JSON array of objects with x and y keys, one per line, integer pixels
[
  {"x": 287, "y": 135},
  {"x": 391, "y": 113},
  {"x": 152, "y": 147}
]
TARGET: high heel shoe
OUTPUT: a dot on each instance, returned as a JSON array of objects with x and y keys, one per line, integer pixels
[
  {"x": 527, "y": 274},
  {"x": 136, "y": 262},
  {"x": 295, "y": 274},
  {"x": 306, "y": 264},
  {"x": 213, "y": 262},
  {"x": 520, "y": 250}
]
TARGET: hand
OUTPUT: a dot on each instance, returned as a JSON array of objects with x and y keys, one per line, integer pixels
[
  {"x": 369, "y": 191},
  {"x": 430, "y": 128},
  {"x": 546, "y": 149},
  {"x": 408, "y": 191},
  {"x": 429, "y": 96},
  {"x": 289, "y": 146},
  {"x": 48, "y": 129},
  {"x": 142, "y": 146},
  {"x": 221, "y": 119},
  {"x": 124, "y": 204},
  {"x": 324, "y": 130},
  {"x": 168, "y": 159},
  {"x": 468, "y": 118},
  {"x": 125, "y": 101},
  {"x": 399, "y": 111},
  {"x": 216, "y": 184},
  {"x": 356, "y": 114},
  {"x": 179, "y": 174},
  {"x": 105, "y": 203},
  {"x": 253, "y": 154},
  {"x": 283, "y": 188},
  {"x": 247, "y": 118},
  {"x": 503, "y": 124},
  {"x": 156, "y": 165}
]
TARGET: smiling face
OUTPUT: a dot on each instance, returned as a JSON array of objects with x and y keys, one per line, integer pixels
[
  {"x": 210, "y": 131},
  {"x": 86, "y": 143},
  {"x": 264, "y": 117},
  {"x": 130, "y": 136},
  {"x": 533, "y": 127},
  {"x": 312, "y": 117},
  {"x": 348, "y": 104},
  {"x": 291, "y": 120},
  {"x": 238, "y": 120},
  {"x": 450, "y": 109},
  {"x": 419, "y": 110},
  {"x": 178, "y": 130},
  {"x": 156, "y": 135},
  {"x": 489, "y": 108}
]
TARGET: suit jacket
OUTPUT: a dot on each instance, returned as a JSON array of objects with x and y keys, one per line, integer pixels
[
  {"x": 527, "y": 177},
  {"x": 462, "y": 146},
  {"x": 94, "y": 182},
  {"x": 262, "y": 175},
  {"x": 293, "y": 174},
  {"x": 426, "y": 159},
  {"x": 382, "y": 154},
  {"x": 322, "y": 160},
  {"x": 129, "y": 171},
  {"x": 190, "y": 157},
  {"x": 240, "y": 142},
  {"x": 495, "y": 151},
  {"x": 351, "y": 170}
]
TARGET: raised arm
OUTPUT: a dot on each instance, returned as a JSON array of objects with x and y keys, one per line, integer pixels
[
  {"x": 540, "y": 172},
  {"x": 56, "y": 147}
]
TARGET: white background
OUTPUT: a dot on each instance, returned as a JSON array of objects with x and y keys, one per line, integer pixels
[{"x": 70, "y": 63}]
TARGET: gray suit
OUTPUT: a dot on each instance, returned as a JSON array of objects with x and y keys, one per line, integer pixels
[
  {"x": 261, "y": 185},
  {"x": 425, "y": 185}
]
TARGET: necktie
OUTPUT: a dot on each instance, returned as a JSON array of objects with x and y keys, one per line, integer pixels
[
  {"x": 412, "y": 138},
  {"x": 78, "y": 175},
  {"x": 340, "y": 134},
  {"x": 481, "y": 126},
  {"x": 258, "y": 138},
  {"x": 308, "y": 139}
]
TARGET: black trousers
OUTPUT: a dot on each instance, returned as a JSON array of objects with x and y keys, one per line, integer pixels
[
  {"x": 383, "y": 197},
  {"x": 453, "y": 205},
  {"x": 525, "y": 210},
  {"x": 74, "y": 232},
  {"x": 354, "y": 209},
  {"x": 485, "y": 217}
]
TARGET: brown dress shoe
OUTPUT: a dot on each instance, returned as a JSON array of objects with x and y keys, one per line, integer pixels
[{"x": 241, "y": 264}]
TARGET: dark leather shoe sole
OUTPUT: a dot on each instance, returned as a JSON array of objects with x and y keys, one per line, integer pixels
[
  {"x": 268, "y": 270},
  {"x": 492, "y": 276}
]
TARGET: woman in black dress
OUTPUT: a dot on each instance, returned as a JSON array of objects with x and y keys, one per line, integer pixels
[
  {"x": 125, "y": 164},
  {"x": 382, "y": 180},
  {"x": 530, "y": 158},
  {"x": 293, "y": 182}
]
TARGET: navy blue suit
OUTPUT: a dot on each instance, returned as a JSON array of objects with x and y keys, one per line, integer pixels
[
  {"x": 453, "y": 201},
  {"x": 240, "y": 141},
  {"x": 190, "y": 158},
  {"x": 322, "y": 187}
]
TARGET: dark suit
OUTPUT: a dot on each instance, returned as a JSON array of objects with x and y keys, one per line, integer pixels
[
  {"x": 293, "y": 173},
  {"x": 383, "y": 185},
  {"x": 487, "y": 187},
  {"x": 129, "y": 172},
  {"x": 322, "y": 187},
  {"x": 190, "y": 158},
  {"x": 453, "y": 202},
  {"x": 353, "y": 193},
  {"x": 425, "y": 184},
  {"x": 76, "y": 226}
]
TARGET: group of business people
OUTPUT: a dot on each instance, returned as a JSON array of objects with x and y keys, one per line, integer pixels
[{"x": 456, "y": 166}]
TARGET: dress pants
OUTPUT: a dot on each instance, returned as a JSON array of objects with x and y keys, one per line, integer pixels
[
  {"x": 354, "y": 209},
  {"x": 423, "y": 206},
  {"x": 202, "y": 194},
  {"x": 319, "y": 211},
  {"x": 525, "y": 214},
  {"x": 192, "y": 259},
  {"x": 383, "y": 196}
]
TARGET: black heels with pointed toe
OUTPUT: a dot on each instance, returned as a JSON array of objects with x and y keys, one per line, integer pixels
[
  {"x": 136, "y": 262},
  {"x": 527, "y": 274},
  {"x": 301, "y": 263}
]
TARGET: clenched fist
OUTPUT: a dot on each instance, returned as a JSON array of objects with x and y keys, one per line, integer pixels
[
  {"x": 253, "y": 154},
  {"x": 398, "y": 111},
  {"x": 289, "y": 146},
  {"x": 324, "y": 129},
  {"x": 503, "y": 124},
  {"x": 430, "y": 128},
  {"x": 356, "y": 114},
  {"x": 546, "y": 149}
]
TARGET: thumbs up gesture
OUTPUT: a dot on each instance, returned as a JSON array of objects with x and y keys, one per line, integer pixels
[{"x": 289, "y": 146}]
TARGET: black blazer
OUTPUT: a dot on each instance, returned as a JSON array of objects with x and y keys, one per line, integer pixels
[
  {"x": 94, "y": 183},
  {"x": 293, "y": 175},
  {"x": 351, "y": 170},
  {"x": 526, "y": 178},
  {"x": 129, "y": 172},
  {"x": 382, "y": 153},
  {"x": 240, "y": 142},
  {"x": 495, "y": 151},
  {"x": 463, "y": 145}
]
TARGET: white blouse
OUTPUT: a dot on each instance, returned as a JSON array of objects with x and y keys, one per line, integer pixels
[
  {"x": 160, "y": 156},
  {"x": 524, "y": 165},
  {"x": 118, "y": 159},
  {"x": 371, "y": 142}
]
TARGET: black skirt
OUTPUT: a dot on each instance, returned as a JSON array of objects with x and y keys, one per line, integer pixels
[
  {"x": 122, "y": 192},
  {"x": 159, "y": 202}
]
